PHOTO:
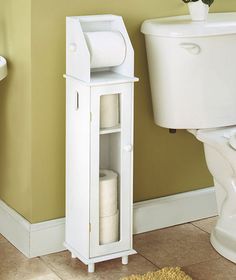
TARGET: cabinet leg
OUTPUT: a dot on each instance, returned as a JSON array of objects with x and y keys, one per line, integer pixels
[
  {"x": 91, "y": 268},
  {"x": 73, "y": 256},
  {"x": 125, "y": 260}
]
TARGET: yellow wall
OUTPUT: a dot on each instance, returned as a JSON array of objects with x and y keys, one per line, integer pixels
[
  {"x": 15, "y": 30},
  {"x": 164, "y": 163}
]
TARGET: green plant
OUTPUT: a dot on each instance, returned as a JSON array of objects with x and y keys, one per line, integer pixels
[{"x": 207, "y": 2}]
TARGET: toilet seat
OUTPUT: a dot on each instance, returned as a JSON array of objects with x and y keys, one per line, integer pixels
[{"x": 225, "y": 137}]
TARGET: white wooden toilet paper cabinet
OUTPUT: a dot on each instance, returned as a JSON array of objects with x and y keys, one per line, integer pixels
[{"x": 99, "y": 136}]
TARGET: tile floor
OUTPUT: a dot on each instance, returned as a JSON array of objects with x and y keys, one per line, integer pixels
[{"x": 185, "y": 245}]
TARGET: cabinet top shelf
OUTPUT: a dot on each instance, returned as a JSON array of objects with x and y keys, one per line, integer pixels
[{"x": 106, "y": 78}]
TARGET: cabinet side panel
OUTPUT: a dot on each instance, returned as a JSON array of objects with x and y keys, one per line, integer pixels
[{"x": 77, "y": 166}]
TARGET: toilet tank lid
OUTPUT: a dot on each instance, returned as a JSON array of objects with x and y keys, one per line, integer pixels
[{"x": 184, "y": 27}]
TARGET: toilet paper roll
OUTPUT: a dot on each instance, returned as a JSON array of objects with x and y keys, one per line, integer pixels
[
  {"x": 107, "y": 193},
  {"x": 109, "y": 229},
  {"x": 107, "y": 48},
  {"x": 109, "y": 110}
]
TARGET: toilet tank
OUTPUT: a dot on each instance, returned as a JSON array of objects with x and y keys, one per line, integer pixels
[{"x": 192, "y": 70}]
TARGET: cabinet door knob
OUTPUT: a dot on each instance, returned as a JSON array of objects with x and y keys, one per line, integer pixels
[{"x": 128, "y": 148}]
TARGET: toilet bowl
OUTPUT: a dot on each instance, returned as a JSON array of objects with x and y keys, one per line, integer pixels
[
  {"x": 220, "y": 153},
  {"x": 192, "y": 68}
]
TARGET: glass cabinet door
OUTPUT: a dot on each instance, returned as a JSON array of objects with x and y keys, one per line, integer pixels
[{"x": 111, "y": 169}]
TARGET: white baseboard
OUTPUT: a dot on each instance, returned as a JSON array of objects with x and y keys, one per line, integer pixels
[
  {"x": 175, "y": 209},
  {"x": 31, "y": 239},
  {"x": 15, "y": 228},
  {"x": 48, "y": 237}
]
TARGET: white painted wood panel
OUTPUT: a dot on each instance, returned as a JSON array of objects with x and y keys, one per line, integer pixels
[{"x": 77, "y": 166}]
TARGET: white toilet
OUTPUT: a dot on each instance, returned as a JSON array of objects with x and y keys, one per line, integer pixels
[{"x": 192, "y": 68}]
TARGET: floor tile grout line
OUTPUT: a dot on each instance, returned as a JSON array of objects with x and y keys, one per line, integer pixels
[
  {"x": 211, "y": 245},
  {"x": 49, "y": 267},
  {"x": 201, "y": 229},
  {"x": 213, "y": 259},
  {"x": 149, "y": 260},
  {"x": 190, "y": 223},
  {"x": 183, "y": 265}
]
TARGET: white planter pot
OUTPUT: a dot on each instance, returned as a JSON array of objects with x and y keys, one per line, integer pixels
[{"x": 198, "y": 10}]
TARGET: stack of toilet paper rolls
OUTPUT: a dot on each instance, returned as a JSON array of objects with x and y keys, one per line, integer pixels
[{"x": 108, "y": 212}]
